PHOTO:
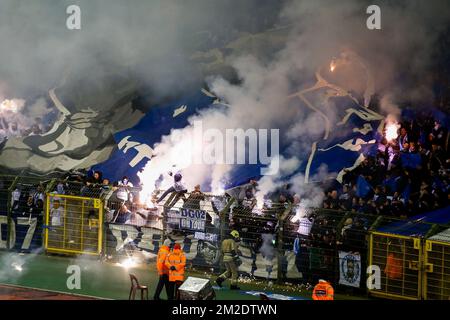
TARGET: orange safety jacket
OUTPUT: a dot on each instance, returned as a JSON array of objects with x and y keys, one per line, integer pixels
[
  {"x": 394, "y": 267},
  {"x": 176, "y": 259},
  {"x": 161, "y": 260},
  {"x": 323, "y": 291}
]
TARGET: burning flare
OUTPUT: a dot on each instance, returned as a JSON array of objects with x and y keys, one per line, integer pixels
[
  {"x": 333, "y": 65},
  {"x": 11, "y": 105},
  {"x": 391, "y": 131},
  {"x": 127, "y": 263},
  {"x": 17, "y": 266}
]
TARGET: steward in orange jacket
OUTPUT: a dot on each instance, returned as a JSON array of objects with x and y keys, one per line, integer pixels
[
  {"x": 162, "y": 269},
  {"x": 161, "y": 260},
  {"x": 175, "y": 262},
  {"x": 323, "y": 291}
]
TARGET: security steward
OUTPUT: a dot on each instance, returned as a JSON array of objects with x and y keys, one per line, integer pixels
[
  {"x": 230, "y": 260},
  {"x": 163, "y": 271},
  {"x": 175, "y": 262},
  {"x": 323, "y": 291}
]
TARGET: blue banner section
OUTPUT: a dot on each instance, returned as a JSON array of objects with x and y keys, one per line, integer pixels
[
  {"x": 349, "y": 130},
  {"x": 157, "y": 122}
]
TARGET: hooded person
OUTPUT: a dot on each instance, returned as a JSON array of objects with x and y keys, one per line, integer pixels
[
  {"x": 124, "y": 190},
  {"x": 178, "y": 187},
  {"x": 175, "y": 262},
  {"x": 163, "y": 271}
]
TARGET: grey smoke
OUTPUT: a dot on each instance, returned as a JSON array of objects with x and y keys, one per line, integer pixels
[
  {"x": 268, "y": 250},
  {"x": 156, "y": 39},
  {"x": 152, "y": 39},
  {"x": 405, "y": 45},
  {"x": 14, "y": 264},
  {"x": 272, "y": 48}
]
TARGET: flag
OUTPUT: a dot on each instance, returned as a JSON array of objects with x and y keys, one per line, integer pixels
[
  {"x": 349, "y": 269},
  {"x": 362, "y": 187},
  {"x": 410, "y": 160}
]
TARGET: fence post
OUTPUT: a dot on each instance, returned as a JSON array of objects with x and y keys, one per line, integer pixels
[
  {"x": 341, "y": 223},
  {"x": 222, "y": 215},
  {"x": 280, "y": 243},
  {"x": 50, "y": 186},
  {"x": 376, "y": 223},
  {"x": 9, "y": 212},
  {"x": 166, "y": 207}
]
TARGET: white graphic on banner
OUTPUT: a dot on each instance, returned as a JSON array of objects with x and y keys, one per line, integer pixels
[{"x": 349, "y": 269}]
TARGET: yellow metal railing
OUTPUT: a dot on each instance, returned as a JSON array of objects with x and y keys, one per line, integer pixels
[
  {"x": 436, "y": 284},
  {"x": 73, "y": 224},
  {"x": 399, "y": 259}
]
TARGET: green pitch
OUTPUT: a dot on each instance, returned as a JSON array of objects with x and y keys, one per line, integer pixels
[{"x": 111, "y": 281}]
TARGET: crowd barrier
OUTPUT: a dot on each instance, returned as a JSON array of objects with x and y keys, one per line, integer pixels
[
  {"x": 399, "y": 259},
  {"x": 73, "y": 224},
  {"x": 21, "y": 212},
  {"x": 437, "y": 269},
  {"x": 279, "y": 242}
]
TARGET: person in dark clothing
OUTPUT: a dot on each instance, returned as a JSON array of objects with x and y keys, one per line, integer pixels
[
  {"x": 123, "y": 215},
  {"x": 96, "y": 178},
  {"x": 354, "y": 237},
  {"x": 194, "y": 199},
  {"x": 403, "y": 139},
  {"x": 438, "y": 134},
  {"x": 92, "y": 185},
  {"x": 333, "y": 200},
  {"x": 163, "y": 271},
  {"x": 25, "y": 207},
  {"x": 302, "y": 261},
  {"x": 177, "y": 187}
]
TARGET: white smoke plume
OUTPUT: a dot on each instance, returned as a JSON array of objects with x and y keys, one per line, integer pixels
[
  {"x": 268, "y": 250},
  {"x": 155, "y": 41},
  {"x": 320, "y": 30},
  {"x": 38, "y": 109},
  {"x": 14, "y": 264}
]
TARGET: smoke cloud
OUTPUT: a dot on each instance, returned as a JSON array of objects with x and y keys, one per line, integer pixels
[
  {"x": 13, "y": 264},
  {"x": 273, "y": 49},
  {"x": 367, "y": 61}
]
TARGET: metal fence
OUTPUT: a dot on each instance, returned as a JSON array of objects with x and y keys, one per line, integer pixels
[
  {"x": 399, "y": 260},
  {"x": 437, "y": 269},
  {"x": 22, "y": 201},
  {"x": 73, "y": 224},
  {"x": 279, "y": 241}
]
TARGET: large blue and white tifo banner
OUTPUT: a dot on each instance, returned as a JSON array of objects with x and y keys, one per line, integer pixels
[
  {"x": 349, "y": 269},
  {"x": 357, "y": 129}
]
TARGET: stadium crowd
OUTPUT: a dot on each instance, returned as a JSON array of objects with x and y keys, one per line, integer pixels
[
  {"x": 14, "y": 129},
  {"x": 407, "y": 176}
]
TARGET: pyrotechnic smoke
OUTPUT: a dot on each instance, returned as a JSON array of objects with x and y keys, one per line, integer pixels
[
  {"x": 391, "y": 131},
  {"x": 267, "y": 248},
  {"x": 152, "y": 39},
  {"x": 13, "y": 265},
  {"x": 155, "y": 41},
  {"x": 13, "y": 106},
  {"x": 318, "y": 33},
  {"x": 16, "y": 112}
]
